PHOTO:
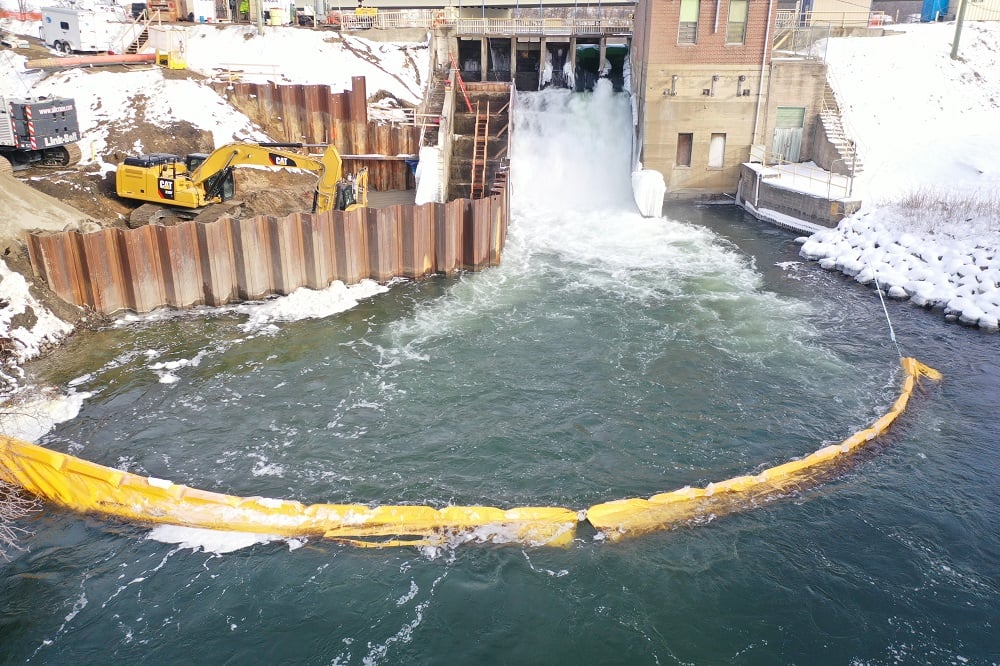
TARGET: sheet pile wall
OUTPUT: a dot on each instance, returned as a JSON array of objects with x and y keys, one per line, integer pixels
[{"x": 232, "y": 260}]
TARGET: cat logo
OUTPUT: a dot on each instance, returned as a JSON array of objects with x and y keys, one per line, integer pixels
[
  {"x": 166, "y": 188},
  {"x": 281, "y": 160}
]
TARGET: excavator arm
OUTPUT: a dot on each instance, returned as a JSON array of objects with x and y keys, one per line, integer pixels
[
  {"x": 199, "y": 180},
  {"x": 328, "y": 166}
]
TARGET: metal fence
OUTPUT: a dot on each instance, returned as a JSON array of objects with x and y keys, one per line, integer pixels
[
  {"x": 790, "y": 18},
  {"x": 808, "y": 42}
]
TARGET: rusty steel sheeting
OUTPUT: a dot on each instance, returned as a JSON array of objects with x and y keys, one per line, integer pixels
[
  {"x": 230, "y": 260},
  {"x": 315, "y": 114}
]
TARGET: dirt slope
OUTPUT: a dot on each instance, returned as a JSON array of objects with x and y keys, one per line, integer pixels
[{"x": 26, "y": 208}]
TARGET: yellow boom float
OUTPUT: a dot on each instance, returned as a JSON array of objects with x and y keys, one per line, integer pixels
[{"x": 88, "y": 487}]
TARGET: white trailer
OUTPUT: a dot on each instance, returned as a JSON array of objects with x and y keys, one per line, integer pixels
[{"x": 101, "y": 28}]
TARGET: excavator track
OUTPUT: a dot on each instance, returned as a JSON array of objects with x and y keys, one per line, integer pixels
[
  {"x": 58, "y": 157},
  {"x": 73, "y": 154},
  {"x": 145, "y": 214}
]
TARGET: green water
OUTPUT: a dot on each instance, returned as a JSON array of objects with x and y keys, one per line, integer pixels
[{"x": 609, "y": 356}]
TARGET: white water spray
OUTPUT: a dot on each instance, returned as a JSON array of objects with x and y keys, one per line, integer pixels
[
  {"x": 559, "y": 137},
  {"x": 573, "y": 151}
]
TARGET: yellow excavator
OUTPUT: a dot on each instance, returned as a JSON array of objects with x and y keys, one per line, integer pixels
[{"x": 188, "y": 186}]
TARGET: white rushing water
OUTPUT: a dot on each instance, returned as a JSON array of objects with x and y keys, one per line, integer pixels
[{"x": 572, "y": 197}]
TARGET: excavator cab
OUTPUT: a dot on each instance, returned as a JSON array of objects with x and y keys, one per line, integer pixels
[{"x": 222, "y": 184}]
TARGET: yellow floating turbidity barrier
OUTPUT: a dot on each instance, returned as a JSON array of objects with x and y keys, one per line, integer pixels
[{"x": 88, "y": 487}]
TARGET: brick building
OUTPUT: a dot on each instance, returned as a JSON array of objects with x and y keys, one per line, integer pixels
[{"x": 701, "y": 71}]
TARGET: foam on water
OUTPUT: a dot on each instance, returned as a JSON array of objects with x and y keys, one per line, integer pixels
[
  {"x": 211, "y": 541},
  {"x": 308, "y": 304}
]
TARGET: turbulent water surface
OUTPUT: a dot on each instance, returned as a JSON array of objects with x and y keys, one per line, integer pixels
[{"x": 609, "y": 356}]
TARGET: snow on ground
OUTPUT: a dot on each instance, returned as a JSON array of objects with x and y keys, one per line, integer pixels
[
  {"x": 929, "y": 229},
  {"x": 292, "y": 55},
  {"x": 104, "y": 97}
]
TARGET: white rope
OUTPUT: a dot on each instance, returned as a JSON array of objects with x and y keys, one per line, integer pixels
[{"x": 878, "y": 288}]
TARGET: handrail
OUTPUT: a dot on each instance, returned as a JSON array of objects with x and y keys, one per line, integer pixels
[
  {"x": 461, "y": 83},
  {"x": 834, "y": 183},
  {"x": 132, "y": 31},
  {"x": 790, "y": 18},
  {"x": 845, "y": 121},
  {"x": 606, "y": 21}
]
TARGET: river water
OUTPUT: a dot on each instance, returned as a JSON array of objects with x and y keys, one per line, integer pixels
[{"x": 609, "y": 356}]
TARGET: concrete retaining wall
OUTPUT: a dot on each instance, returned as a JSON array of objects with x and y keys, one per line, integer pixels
[
  {"x": 237, "y": 260},
  {"x": 756, "y": 191}
]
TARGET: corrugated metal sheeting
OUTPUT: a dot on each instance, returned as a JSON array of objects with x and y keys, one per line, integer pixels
[
  {"x": 236, "y": 260},
  {"x": 316, "y": 114}
]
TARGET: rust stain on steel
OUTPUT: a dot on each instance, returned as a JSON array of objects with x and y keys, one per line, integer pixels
[{"x": 229, "y": 260}]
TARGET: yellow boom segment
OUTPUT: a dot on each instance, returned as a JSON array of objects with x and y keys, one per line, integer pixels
[{"x": 89, "y": 487}]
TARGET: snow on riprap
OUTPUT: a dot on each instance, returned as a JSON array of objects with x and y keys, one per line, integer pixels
[{"x": 926, "y": 124}]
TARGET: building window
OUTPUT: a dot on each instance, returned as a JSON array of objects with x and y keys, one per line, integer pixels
[
  {"x": 684, "y": 142},
  {"x": 717, "y": 151},
  {"x": 736, "y": 28},
  {"x": 687, "y": 33}
]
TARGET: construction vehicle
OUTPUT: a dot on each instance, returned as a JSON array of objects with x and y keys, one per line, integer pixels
[
  {"x": 38, "y": 132},
  {"x": 187, "y": 186}
]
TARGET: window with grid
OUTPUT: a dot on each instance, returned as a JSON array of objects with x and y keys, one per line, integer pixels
[
  {"x": 687, "y": 32},
  {"x": 736, "y": 27}
]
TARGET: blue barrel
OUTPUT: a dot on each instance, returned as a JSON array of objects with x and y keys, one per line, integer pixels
[{"x": 934, "y": 10}]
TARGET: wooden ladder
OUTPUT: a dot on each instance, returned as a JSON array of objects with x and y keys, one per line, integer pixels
[{"x": 480, "y": 143}]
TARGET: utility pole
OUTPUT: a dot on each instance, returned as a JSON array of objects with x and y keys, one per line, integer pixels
[{"x": 958, "y": 29}]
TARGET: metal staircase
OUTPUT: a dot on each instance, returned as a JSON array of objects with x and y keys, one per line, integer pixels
[
  {"x": 849, "y": 162},
  {"x": 429, "y": 117}
]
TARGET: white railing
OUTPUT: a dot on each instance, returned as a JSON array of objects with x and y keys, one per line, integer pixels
[
  {"x": 545, "y": 26},
  {"x": 790, "y": 18},
  {"x": 615, "y": 22},
  {"x": 232, "y": 72},
  {"x": 807, "y": 177}
]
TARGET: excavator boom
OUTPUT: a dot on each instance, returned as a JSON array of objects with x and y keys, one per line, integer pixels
[{"x": 198, "y": 180}]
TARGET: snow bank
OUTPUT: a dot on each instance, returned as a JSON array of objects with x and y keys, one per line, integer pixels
[
  {"x": 45, "y": 328},
  {"x": 926, "y": 125},
  {"x": 962, "y": 276},
  {"x": 292, "y": 55}
]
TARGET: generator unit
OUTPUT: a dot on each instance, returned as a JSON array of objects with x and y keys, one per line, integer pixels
[{"x": 38, "y": 132}]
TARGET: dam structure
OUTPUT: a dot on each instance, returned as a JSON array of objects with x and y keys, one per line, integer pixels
[
  {"x": 714, "y": 110},
  {"x": 727, "y": 95}
]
